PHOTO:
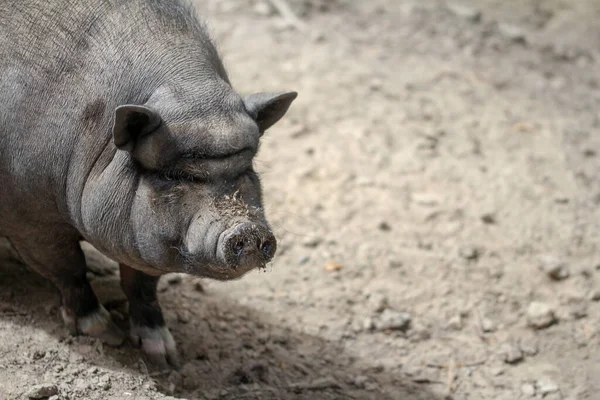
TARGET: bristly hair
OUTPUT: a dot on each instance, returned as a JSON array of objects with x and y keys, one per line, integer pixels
[{"x": 181, "y": 15}]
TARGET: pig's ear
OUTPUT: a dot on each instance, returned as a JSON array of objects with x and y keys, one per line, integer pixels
[
  {"x": 268, "y": 108},
  {"x": 131, "y": 123}
]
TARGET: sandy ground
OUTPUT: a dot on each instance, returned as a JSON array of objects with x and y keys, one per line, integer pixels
[{"x": 434, "y": 191}]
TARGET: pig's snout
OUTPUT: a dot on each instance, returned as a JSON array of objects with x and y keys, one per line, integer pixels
[{"x": 247, "y": 245}]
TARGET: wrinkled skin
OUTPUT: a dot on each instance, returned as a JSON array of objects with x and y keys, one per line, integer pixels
[{"x": 119, "y": 126}]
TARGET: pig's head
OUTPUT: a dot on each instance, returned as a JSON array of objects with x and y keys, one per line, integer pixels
[{"x": 198, "y": 204}]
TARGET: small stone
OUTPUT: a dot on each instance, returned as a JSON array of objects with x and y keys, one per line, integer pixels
[
  {"x": 488, "y": 218},
  {"x": 42, "y": 391},
  {"x": 303, "y": 260},
  {"x": 198, "y": 287},
  {"x": 512, "y": 32},
  {"x": 419, "y": 333},
  {"x": 384, "y": 226},
  {"x": 38, "y": 354},
  {"x": 528, "y": 389},
  {"x": 312, "y": 242},
  {"x": 162, "y": 286},
  {"x": 263, "y": 9},
  {"x": 545, "y": 385},
  {"x": 511, "y": 353},
  {"x": 469, "y": 252},
  {"x": 360, "y": 381},
  {"x": 578, "y": 310},
  {"x": 104, "y": 382},
  {"x": 174, "y": 279},
  {"x": 529, "y": 346},
  {"x": 183, "y": 316},
  {"x": 589, "y": 153},
  {"x": 540, "y": 315},
  {"x": 425, "y": 199},
  {"x": 392, "y": 320},
  {"x": 368, "y": 324},
  {"x": 488, "y": 325},
  {"x": 554, "y": 267},
  {"x": 468, "y": 13},
  {"x": 377, "y": 302},
  {"x": 455, "y": 323}
]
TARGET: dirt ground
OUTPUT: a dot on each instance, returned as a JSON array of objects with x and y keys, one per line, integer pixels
[{"x": 434, "y": 191}]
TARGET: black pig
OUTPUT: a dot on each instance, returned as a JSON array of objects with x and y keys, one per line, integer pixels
[{"x": 119, "y": 126}]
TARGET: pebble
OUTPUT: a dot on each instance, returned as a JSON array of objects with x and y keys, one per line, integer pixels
[
  {"x": 42, "y": 391},
  {"x": 183, "y": 316},
  {"x": 512, "y": 32},
  {"x": 540, "y": 315},
  {"x": 468, "y": 13},
  {"x": 303, "y": 260},
  {"x": 545, "y": 386},
  {"x": 578, "y": 310},
  {"x": 368, "y": 324},
  {"x": 488, "y": 325},
  {"x": 392, "y": 320},
  {"x": 488, "y": 218},
  {"x": 263, "y": 9},
  {"x": 554, "y": 267},
  {"x": 198, "y": 286},
  {"x": 360, "y": 381},
  {"x": 529, "y": 346},
  {"x": 419, "y": 333},
  {"x": 469, "y": 252},
  {"x": 377, "y": 302},
  {"x": 312, "y": 242},
  {"x": 455, "y": 323},
  {"x": 511, "y": 353},
  {"x": 104, "y": 382},
  {"x": 425, "y": 199},
  {"x": 384, "y": 226},
  {"x": 528, "y": 389}
]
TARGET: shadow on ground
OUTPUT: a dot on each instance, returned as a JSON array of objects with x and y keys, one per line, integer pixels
[{"x": 227, "y": 351}]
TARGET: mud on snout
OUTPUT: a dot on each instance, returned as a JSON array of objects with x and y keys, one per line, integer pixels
[{"x": 235, "y": 236}]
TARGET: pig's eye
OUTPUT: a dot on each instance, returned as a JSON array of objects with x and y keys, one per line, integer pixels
[
  {"x": 246, "y": 172},
  {"x": 175, "y": 175}
]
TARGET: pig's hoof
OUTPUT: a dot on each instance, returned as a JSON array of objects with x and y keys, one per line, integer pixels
[
  {"x": 98, "y": 324},
  {"x": 157, "y": 343}
]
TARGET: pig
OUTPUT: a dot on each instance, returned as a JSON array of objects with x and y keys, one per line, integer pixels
[{"x": 119, "y": 127}]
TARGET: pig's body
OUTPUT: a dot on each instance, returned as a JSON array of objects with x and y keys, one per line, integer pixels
[{"x": 118, "y": 126}]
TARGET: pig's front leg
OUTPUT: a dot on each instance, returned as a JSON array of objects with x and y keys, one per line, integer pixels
[
  {"x": 59, "y": 258},
  {"x": 147, "y": 324}
]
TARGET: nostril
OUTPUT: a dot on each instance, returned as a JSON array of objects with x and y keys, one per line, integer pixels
[
  {"x": 238, "y": 246},
  {"x": 267, "y": 248}
]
